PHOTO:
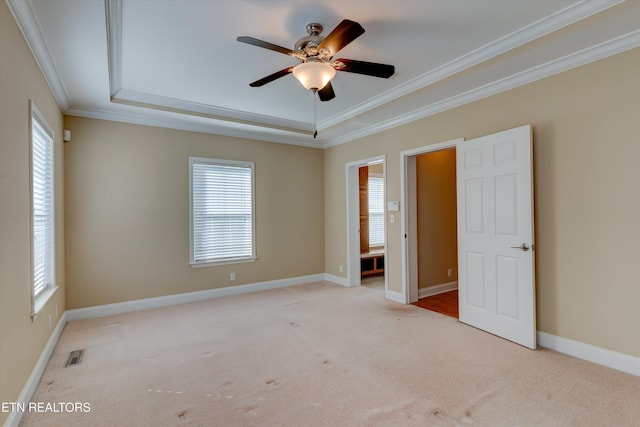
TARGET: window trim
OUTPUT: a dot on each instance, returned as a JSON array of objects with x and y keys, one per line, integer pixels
[
  {"x": 38, "y": 301},
  {"x": 236, "y": 260}
]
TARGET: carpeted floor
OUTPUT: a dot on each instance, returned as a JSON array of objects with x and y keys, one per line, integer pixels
[{"x": 319, "y": 355}]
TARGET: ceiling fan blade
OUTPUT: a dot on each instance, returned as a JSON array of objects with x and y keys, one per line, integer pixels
[
  {"x": 368, "y": 68},
  {"x": 271, "y": 77},
  {"x": 346, "y": 32},
  {"x": 326, "y": 93},
  {"x": 264, "y": 44}
]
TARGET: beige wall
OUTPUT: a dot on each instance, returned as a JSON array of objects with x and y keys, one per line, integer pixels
[
  {"x": 127, "y": 211},
  {"x": 437, "y": 233},
  {"x": 21, "y": 339},
  {"x": 586, "y": 142}
]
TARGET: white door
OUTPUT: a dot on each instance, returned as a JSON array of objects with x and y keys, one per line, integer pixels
[{"x": 495, "y": 235}]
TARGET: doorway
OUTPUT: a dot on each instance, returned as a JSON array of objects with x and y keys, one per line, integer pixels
[
  {"x": 366, "y": 220},
  {"x": 432, "y": 229},
  {"x": 372, "y": 225},
  {"x": 410, "y": 226},
  {"x": 494, "y": 182}
]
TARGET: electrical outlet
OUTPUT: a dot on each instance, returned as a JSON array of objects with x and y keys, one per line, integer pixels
[
  {"x": 450, "y": 272},
  {"x": 341, "y": 269},
  {"x": 232, "y": 276}
]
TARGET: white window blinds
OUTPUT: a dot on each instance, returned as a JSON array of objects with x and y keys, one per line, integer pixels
[
  {"x": 222, "y": 219},
  {"x": 42, "y": 206},
  {"x": 376, "y": 211}
]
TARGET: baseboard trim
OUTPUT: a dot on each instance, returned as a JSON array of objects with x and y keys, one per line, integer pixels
[
  {"x": 394, "y": 296},
  {"x": 437, "y": 289},
  {"x": 336, "y": 280},
  {"x": 165, "y": 301},
  {"x": 601, "y": 356},
  {"x": 14, "y": 418}
]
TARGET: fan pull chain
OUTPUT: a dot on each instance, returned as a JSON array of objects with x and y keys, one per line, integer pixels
[{"x": 315, "y": 115}]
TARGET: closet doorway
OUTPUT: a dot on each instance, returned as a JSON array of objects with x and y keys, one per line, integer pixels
[
  {"x": 494, "y": 186},
  {"x": 366, "y": 219},
  {"x": 430, "y": 226},
  {"x": 372, "y": 224}
]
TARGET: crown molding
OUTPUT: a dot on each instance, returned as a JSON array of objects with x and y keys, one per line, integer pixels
[
  {"x": 28, "y": 24},
  {"x": 533, "y": 31},
  {"x": 113, "y": 14},
  {"x": 583, "y": 57},
  {"x": 568, "y": 62},
  {"x": 156, "y": 102},
  {"x": 211, "y": 127}
]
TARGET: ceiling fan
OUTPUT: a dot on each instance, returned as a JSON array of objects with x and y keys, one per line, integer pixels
[{"x": 315, "y": 53}]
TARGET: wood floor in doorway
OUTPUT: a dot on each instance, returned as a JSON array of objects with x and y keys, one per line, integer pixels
[{"x": 445, "y": 303}]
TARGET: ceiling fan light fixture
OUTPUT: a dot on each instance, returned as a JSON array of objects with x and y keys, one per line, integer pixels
[{"x": 314, "y": 75}]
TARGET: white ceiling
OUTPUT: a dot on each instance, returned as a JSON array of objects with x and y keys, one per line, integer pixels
[{"x": 176, "y": 63}]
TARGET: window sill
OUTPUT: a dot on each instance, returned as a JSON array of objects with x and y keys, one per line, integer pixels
[
  {"x": 222, "y": 262},
  {"x": 42, "y": 299}
]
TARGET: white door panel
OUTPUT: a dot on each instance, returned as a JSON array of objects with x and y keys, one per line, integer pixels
[{"x": 495, "y": 218}]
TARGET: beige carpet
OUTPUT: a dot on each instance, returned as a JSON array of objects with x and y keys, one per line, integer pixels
[{"x": 319, "y": 355}]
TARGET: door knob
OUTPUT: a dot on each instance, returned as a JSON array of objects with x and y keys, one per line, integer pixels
[{"x": 523, "y": 246}]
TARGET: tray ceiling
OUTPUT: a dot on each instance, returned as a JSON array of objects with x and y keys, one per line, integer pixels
[{"x": 176, "y": 63}]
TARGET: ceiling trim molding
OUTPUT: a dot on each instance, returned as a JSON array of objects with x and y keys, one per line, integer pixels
[
  {"x": 568, "y": 62},
  {"x": 113, "y": 14},
  {"x": 567, "y": 16},
  {"x": 32, "y": 33},
  {"x": 157, "y": 102},
  {"x": 175, "y": 123}
]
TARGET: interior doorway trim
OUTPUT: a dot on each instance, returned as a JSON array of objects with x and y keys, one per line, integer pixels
[
  {"x": 353, "y": 219},
  {"x": 409, "y": 221}
]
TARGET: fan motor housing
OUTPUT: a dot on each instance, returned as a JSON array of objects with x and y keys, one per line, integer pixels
[{"x": 309, "y": 44}]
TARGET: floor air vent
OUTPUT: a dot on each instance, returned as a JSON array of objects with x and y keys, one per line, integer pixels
[{"x": 75, "y": 357}]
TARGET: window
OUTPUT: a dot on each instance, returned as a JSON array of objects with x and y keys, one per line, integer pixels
[
  {"x": 42, "y": 210},
  {"x": 222, "y": 211},
  {"x": 376, "y": 211}
]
